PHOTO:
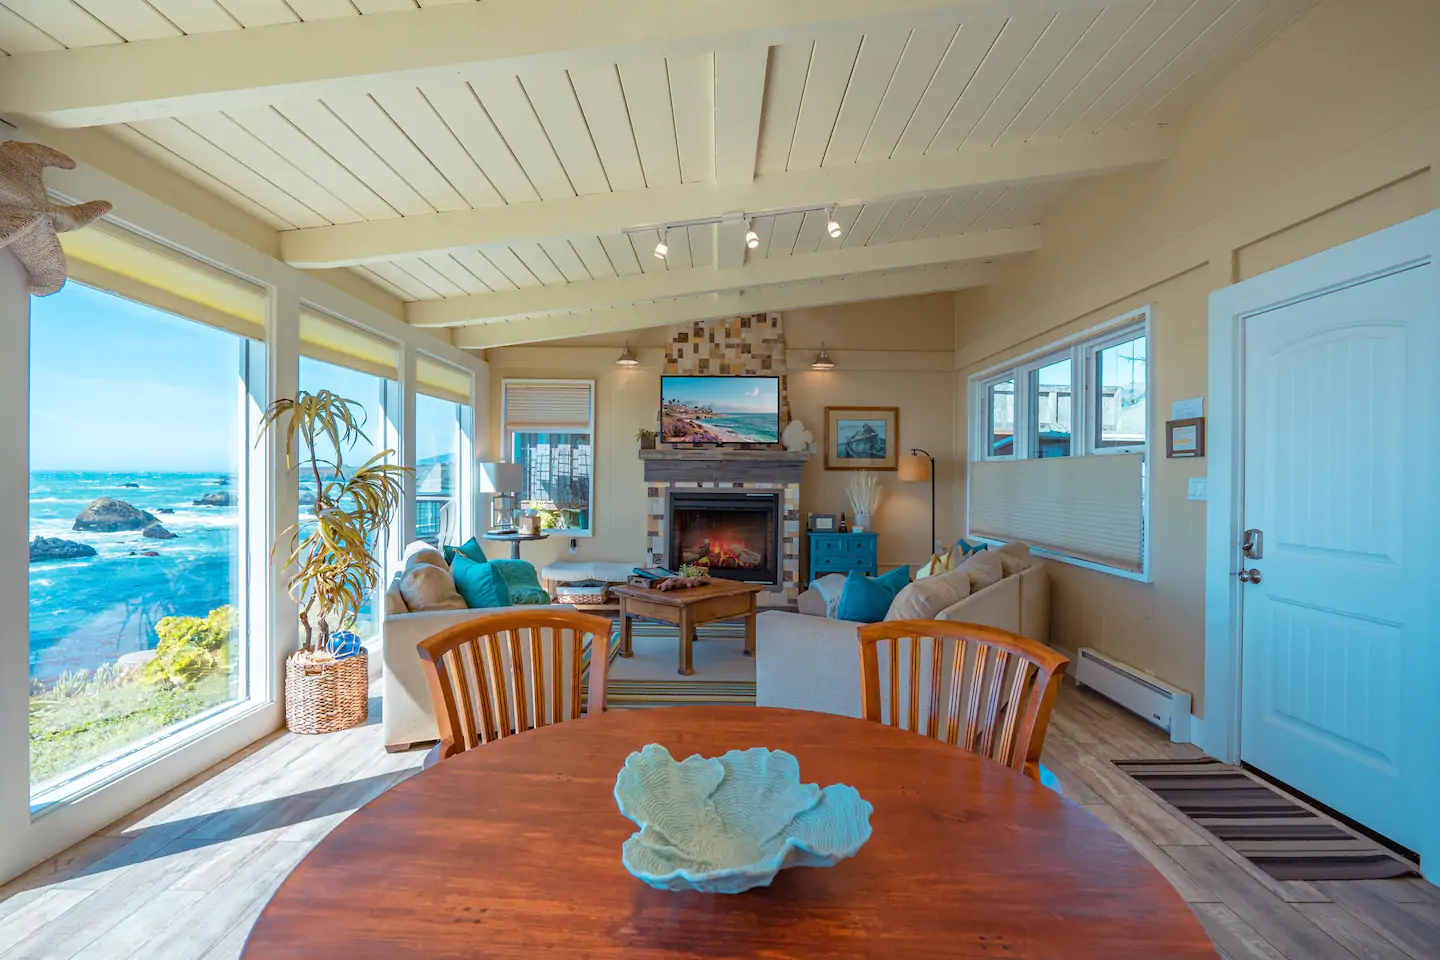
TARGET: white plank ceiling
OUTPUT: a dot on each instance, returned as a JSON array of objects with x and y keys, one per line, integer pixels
[{"x": 402, "y": 147}]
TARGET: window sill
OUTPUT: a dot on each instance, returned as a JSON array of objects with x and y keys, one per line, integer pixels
[
  {"x": 1141, "y": 577},
  {"x": 58, "y": 795}
]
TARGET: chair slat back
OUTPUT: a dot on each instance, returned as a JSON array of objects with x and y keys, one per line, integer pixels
[
  {"x": 985, "y": 690},
  {"x": 506, "y": 673}
]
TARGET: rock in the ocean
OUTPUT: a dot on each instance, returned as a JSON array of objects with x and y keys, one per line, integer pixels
[
  {"x": 222, "y": 482},
  {"x": 133, "y": 485},
  {"x": 53, "y": 548},
  {"x": 157, "y": 531},
  {"x": 225, "y": 499},
  {"x": 165, "y": 510},
  {"x": 108, "y": 515},
  {"x": 149, "y": 553}
]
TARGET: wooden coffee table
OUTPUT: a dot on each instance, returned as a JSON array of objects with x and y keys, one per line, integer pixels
[{"x": 687, "y": 609}]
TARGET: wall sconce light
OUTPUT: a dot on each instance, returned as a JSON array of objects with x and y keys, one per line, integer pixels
[
  {"x": 627, "y": 356},
  {"x": 822, "y": 360}
]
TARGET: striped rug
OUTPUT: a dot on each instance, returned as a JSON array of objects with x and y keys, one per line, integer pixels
[
  {"x": 1281, "y": 836},
  {"x": 621, "y": 694}
]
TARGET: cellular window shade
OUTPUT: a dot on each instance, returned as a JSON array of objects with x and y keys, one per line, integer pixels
[
  {"x": 322, "y": 337},
  {"x": 436, "y": 379},
  {"x": 560, "y": 405},
  {"x": 1090, "y": 508},
  {"x": 136, "y": 268}
]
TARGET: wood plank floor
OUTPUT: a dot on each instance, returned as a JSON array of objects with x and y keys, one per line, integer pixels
[{"x": 185, "y": 877}]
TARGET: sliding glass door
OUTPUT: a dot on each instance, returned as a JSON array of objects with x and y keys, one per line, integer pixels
[{"x": 139, "y": 444}]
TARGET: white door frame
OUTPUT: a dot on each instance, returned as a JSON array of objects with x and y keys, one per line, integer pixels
[{"x": 1414, "y": 242}]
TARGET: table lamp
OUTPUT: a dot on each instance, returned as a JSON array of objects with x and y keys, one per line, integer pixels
[
  {"x": 918, "y": 466},
  {"x": 502, "y": 481}
]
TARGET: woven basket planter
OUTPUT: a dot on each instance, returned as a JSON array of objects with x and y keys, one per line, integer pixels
[{"x": 327, "y": 696}]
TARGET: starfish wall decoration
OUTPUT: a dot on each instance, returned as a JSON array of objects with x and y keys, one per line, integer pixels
[{"x": 30, "y": 220}]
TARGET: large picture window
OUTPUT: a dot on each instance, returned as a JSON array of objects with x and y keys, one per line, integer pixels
[
  {"x": 1070, "y": 404},
  {"x": 140, "y": 433},
  {"x": 550, "y": 432}
]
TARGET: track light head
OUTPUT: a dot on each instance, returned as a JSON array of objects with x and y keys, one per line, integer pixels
[
  {"x": 752, "y": 239},
  {"x": 662, "y": 249},
  {"x": 833, "y": 227}
]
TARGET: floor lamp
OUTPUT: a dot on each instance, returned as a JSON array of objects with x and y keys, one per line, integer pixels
[{"x": 918, "y": 466}]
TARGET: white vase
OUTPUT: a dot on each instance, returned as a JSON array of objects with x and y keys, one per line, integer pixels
[{"x": 862, "y": 522}]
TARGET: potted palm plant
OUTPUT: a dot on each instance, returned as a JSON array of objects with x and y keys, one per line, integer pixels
[{"x": 331, "y": 561}]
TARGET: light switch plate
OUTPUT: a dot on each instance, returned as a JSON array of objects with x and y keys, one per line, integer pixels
[{"x": 1199, "y": 488}]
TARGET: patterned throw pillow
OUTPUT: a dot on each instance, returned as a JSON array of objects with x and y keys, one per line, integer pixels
[
  {"x": 967, "y": 548},
  {"x": 939, "y": 563},
  {"x": 520, "y": 582}
]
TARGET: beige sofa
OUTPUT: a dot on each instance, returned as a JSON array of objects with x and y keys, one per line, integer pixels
[
  {"x": 407, "y": 717},
  {"x": 808, "y": 662}
]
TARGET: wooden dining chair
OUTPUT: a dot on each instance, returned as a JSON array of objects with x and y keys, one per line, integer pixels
[
  {"x": 996, "y": 689},
  {"x": 506, "y": 673}
]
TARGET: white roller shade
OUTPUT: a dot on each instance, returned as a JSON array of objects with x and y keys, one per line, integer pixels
[
  {"x": 131, "y": 266},
  {"x": 322, "y": 337},
  {"x": 548, "y": 405},
  {"x": 436, "y": 379},
  {"x": 1090, "y": 508}
]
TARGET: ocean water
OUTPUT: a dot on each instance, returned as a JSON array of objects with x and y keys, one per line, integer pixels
[
  {"x": 87, "y": 612},
  {"x": 754, "y": 427}
]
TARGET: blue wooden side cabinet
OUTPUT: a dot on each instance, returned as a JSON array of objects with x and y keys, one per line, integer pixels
[{"x": 843, "y": 552}]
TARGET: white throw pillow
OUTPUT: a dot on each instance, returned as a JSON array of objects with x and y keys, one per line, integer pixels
[
  {"x": 428, "y": 587},
  {"x": 830, "y": 587},
  {"x": 924, "y": 599},
  {"x": 427, "y": 557}
]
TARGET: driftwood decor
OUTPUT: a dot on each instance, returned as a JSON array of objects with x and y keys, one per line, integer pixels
[{"x": 30, "y": 221}]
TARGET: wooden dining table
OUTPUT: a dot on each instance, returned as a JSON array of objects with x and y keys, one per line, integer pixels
[{"x": 513, "y": 850}]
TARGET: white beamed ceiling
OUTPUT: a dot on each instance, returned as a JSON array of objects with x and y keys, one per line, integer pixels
[{"x": 393, "y": 147}]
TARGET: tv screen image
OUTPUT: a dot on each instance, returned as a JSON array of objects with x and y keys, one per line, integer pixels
[{"x": 720, "y": 409}]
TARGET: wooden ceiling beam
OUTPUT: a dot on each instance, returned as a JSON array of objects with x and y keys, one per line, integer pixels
[
  {"x": 1061, "y": 158},
  {"x": 600, "y": 294}
]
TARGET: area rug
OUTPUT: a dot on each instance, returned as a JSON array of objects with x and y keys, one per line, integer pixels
[
  {"x": 1286, "y": 839},
  {"x": 723, "y": 674}
]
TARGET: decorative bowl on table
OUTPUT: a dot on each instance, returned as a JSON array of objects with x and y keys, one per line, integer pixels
[{"x": 727, "y": 824}]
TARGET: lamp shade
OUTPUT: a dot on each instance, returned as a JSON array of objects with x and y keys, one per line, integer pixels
[
  {"x": 500, "y": 477},
  {"x": 914, "y": 468}
]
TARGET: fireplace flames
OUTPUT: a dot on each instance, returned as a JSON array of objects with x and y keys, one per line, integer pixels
[{"x": 718, "y": 553}]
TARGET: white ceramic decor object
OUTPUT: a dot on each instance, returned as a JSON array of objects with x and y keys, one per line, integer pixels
[
  {"x": 796, "y": 438},
  {"x": 727, "y": 824}
]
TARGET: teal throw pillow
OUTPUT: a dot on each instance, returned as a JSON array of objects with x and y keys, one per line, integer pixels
[
  {"x": 478, "y": 584},
  {"x": 470, "y": 548},
  {"x": 967, "y": 548},
  {"x": 867, "y": 599},
  {"x": 522, "y": 586}
]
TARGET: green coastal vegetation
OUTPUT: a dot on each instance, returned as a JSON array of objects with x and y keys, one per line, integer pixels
[{"x": 85, "y": 714}]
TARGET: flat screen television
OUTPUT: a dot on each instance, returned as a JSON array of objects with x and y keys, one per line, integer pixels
[{"x": 720, "y": 409}]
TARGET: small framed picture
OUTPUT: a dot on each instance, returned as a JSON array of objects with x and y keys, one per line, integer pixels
[
  {"x": 862, "y": 438},
  {"x": 823, "y": 523},
  {"x": 1185, "y": 438}
]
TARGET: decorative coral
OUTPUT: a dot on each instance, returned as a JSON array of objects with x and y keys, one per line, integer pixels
[{"x": 30, "y": 221}]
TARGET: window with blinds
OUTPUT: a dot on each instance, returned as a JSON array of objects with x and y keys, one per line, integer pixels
[
  {"x": 323, "y": 337},
  {"x": 549, "y": 429},
  {"x": 1059, "y": 448},
  {"x": 434, "y": 378}
]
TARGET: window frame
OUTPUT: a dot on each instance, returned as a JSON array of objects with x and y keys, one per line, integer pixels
[
  {"x": 507, "y": 438},
  {"x": 1083, "y": 349}
]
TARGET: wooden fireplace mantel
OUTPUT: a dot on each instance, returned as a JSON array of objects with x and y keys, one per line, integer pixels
[{"x": 722, "y": 465}]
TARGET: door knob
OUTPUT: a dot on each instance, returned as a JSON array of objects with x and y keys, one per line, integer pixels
[{"x": 1250, "y": 576}]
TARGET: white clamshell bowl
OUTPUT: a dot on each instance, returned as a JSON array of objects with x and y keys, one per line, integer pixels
[{"x": 727, "y": 824}]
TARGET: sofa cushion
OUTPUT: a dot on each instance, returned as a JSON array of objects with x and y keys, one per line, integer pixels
[
  {"x": 428, "y": 587},
  {"x": 924, "y": 599},
  {"x": 418, "y": 553},
  {"x": 867, "y": 599},
  {"x": 470, "y": 548},
  {"x": 519, "y": 581},
  {"x": 984, "y": 569},
  {"x": 829, "y": 587},
  {"x": 394, "y": 600},
  {"x": 939, "y": 563},
  {"x": 1014, "y": 557},
  {"x": 478, "y": 584}
]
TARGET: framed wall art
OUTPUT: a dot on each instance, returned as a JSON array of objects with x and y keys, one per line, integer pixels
[{"x": 862, "y": 438}]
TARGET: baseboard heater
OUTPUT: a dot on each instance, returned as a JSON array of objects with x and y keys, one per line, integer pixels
[{"x": 1146, "y": 696}]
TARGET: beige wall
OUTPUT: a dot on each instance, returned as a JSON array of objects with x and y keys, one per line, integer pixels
[
  {"x": 1327, "y": 134},
  {"x": 887, "y": 353}
]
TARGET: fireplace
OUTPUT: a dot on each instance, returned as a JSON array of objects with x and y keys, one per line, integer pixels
[{"x": 737, "y": 534}]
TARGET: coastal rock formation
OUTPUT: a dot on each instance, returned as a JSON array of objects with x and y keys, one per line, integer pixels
[
  {"x": 134, "y": 485},
  {"x": 164, "y": 510},
  {"x": 53, "y": 548},
  {"x": 157, "y": 531},
  {"x": 216, "y": 500},
  {"x": 108, "y": 515}
]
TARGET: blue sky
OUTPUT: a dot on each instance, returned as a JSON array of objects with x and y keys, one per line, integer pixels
[
  {"x": 119, "y": 386},
  {"x": 726, "y": 394}
]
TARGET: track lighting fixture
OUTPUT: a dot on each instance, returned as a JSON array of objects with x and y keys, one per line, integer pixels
[
  {"x": 662, "y": 249},
  {"x": 752, "y": 239},
  {"x": 833, "y": 227}
]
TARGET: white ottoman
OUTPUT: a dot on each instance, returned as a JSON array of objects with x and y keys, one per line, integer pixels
[{"x": 567, "y": 571}]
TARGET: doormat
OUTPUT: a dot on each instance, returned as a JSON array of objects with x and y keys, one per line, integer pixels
[{"x": 1286, "y": 839}]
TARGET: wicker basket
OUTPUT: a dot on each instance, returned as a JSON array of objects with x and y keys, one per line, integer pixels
[
  {"x": 328, "y": 696},
  {"x": 583, "y": 593}
]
